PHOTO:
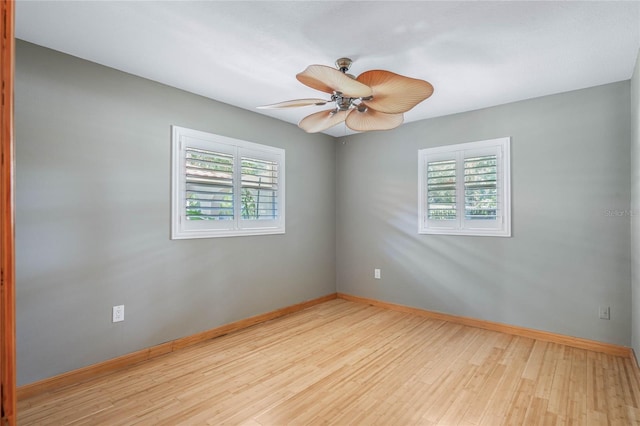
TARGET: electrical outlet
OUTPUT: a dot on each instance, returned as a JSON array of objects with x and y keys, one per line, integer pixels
[
  {"x": 376, "y": 274},
  {"x": 118, "y": 313},
  {"x": 604, "y": 313}
]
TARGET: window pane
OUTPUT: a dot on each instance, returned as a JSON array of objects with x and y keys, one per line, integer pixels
[
  {"x": 441, "y": 190},
  {"x": 259, "y": 189},
  {"x": 480, "y": 188},
  {"x": 209, "y": 185}
]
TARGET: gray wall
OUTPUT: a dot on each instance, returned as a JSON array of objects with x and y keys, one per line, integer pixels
[
  {"x": 92, "y": 218},
  {"x": 570, "y": 166},
  {"x": 635, "y": 206}
]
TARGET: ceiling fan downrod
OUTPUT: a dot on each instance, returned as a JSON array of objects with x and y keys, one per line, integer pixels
[{"x": 344, "y": 64}]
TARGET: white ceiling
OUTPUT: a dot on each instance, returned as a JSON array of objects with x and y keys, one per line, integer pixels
[{"x": 476, "y": 54}]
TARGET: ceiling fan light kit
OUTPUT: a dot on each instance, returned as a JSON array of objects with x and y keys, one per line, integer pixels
[{"x": 375, "y": 100}]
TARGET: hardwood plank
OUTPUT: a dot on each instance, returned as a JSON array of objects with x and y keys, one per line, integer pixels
[{"x": 343, "y": 362}]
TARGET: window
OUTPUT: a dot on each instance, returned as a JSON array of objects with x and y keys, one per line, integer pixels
[
  {"x": 465, "y": 189},
  {"x": 224, "y": 187}
]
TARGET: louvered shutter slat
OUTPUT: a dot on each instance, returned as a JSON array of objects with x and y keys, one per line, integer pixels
[
  {"x": 209, "y": 185},
  {"x": 481, "y": 188},
  {"x": 259, "y": 182},
  {"x": 441, "y": 190}
]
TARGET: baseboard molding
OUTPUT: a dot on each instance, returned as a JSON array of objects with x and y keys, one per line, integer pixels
[
  {"x": 575, "y": 342},
  {"x": 121, "y": 362},
  {"x": 105, "y": 367}
]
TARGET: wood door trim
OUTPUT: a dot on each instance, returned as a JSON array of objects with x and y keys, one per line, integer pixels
[{"x": 7, "y": 262}]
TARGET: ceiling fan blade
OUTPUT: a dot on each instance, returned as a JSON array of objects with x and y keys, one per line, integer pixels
[
  {"x": 322, "y": 120},
  {"x": 370, "y": 119},
  {"x": 295, "y": 103},
  {"x": 329, "y": 80},
  {"x": 394, "y": 93}
]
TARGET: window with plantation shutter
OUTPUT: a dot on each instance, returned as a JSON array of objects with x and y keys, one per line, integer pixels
[
  {"x": 224, "y": 187},
  {"x": 464, "y": 189}
]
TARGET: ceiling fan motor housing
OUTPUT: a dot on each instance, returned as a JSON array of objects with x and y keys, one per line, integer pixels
[{"x": 343, "y": 103}]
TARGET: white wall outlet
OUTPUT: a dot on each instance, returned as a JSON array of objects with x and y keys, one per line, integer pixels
[
  {"x": 118, "y": 313},
  {"x": 604, "y": 313},
  {"x": 376, "y": 274}
]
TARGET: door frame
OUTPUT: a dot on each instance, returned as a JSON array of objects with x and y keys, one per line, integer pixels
[{"x": 7, "y": 236}]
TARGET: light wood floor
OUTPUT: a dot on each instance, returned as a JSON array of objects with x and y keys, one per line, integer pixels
[{"x": 348, "y": 363}]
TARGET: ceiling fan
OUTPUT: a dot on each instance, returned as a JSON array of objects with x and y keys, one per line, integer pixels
[{"x": 375, "y": 100}]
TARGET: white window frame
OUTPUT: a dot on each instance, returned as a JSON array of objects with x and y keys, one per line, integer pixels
[
  {"x": 501, "y": 227},
  {"x": 183, "y": 138}
]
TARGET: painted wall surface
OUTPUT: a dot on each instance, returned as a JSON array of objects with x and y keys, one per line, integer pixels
[
  {"x": 570, "y": 249},
  {"x": 635, "y": 207},
  {"x": 92, "y": 218}
]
